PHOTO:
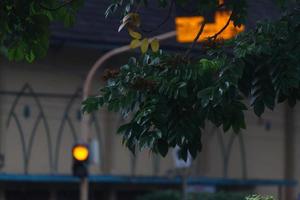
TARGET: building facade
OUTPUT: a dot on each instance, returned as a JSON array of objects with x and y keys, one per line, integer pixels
[{"x": 40, "y": 121}]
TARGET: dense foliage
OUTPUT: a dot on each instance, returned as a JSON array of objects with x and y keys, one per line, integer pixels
[
  {"x": 259, "y": 197},
  {"x": 24, "y": 25},
  {"x": 132, "y": 21},
  {"x": 174, "y": 195},
  {"x": 172, "y": 97}
]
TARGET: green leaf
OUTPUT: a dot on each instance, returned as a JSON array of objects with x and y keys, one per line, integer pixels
[
  {"x": 183, "y": 153},
  {"x": 69, "y": 20},
  {"x": 163, "y": 3},
  {"x": 124, "y": 128},
  {"x": 162, "y": 147},
  {"x": 91, "y": 104},
  {"x": 30, "y": 57},
  {"x": 259, "y": 108}
]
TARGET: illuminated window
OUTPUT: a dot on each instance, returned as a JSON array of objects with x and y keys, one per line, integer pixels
[{"x": 188, "y": 27}]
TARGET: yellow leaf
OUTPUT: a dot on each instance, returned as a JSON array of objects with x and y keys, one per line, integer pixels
[
  {"x": 144, "y": 45},
  {"x": 135, "y": 19},
  {"x": 155, "y": 45},
  {"x": 134, "y": 34},
  {"x": 134, "y": 43}
]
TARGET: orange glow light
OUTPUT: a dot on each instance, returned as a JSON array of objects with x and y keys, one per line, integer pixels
[
  {"x": 188, "y": 27},
  {"x": 80, "y": 152}
]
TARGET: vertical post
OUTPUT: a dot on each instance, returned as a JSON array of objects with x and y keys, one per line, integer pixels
[
  {"x": 2, "y": 194},
  {"x": 84, "y": 183},
  {"x": 52, "y": 195},
  {"x": 112, "y": 195},
  {"x": 108, "y": 144},
  {"x": 84, "y": 188},
  {"x": 280, "y": 192},
  {"x": 184, "y": 183},
  {"x": 289, "y": 150},
  {"x": 156, "y": 165}
]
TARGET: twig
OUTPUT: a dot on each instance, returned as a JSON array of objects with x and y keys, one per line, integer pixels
[
  {"x": 220, "y": 6},
  {"x": 137, "y": 7},
  {"x": 214, "y": 37},
  {"x": 195, "y": 39},
  {"x": 195, "y": 11},
  {"x": 56, "y": 8},
  {"x": 164, "y": 21}
]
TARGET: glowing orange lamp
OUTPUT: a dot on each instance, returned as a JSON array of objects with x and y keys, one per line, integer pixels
[
  {"x": 188, "y": 27},
  {"x": 80, "y": 152}
]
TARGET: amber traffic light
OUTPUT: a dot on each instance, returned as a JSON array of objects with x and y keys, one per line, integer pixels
[{"x": 80, "y": 154}]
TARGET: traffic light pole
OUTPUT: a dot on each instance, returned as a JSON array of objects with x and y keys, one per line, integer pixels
[
  {"x": 84, "y": 183},
  {"x": 84, "y": 189}
]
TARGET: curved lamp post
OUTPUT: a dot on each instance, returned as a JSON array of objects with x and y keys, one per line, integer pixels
[{"x": 85, "y": 128}]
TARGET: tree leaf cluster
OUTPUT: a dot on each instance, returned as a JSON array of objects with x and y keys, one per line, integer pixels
[
  {"x": 24, "y": 26},
  {"x": 204, "y": 8},
  {"x": 171, "y": 98}
]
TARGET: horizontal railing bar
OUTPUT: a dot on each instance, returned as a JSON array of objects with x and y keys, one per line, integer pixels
[
  {"x": 147, "y": 180},
  {"x": 40, "y": 94}
]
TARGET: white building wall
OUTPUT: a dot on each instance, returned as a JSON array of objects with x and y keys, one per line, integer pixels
[{"x": 64, "y": 72}]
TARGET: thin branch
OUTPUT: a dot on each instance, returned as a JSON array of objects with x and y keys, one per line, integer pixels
[
  {"x": 214, "y": 37},
  {"x": 195, "y": 39},
  {"x": 164, "y": 21},
  {"x": 56, "y": 8},
  {"x": 202, "y": 29},
  {"x": 220, "y": 6},
  {"x": 188, "y": 11},
  {"x": 137, "y": 7},
  {"x": 195, "y": 11}
]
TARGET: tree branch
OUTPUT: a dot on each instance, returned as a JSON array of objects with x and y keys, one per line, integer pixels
[
  {"x": 214, "y": 37},
  {"x": 56, "y": 8},
  {"x": 196, "y": 39},
  {"x": 195, "y": 11},
  {"x": 137, "y": 7},
  {"x": 164, "y": 21},
  {"x": 201, "y": 30}
]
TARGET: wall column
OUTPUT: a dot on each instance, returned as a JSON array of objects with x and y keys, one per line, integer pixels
[
  {"x": 289, "y": 150},
  {"x": 108, "y": 144}
]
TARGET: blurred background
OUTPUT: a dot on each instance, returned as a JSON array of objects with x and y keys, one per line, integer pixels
[{"x": 40, "y": 121}]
